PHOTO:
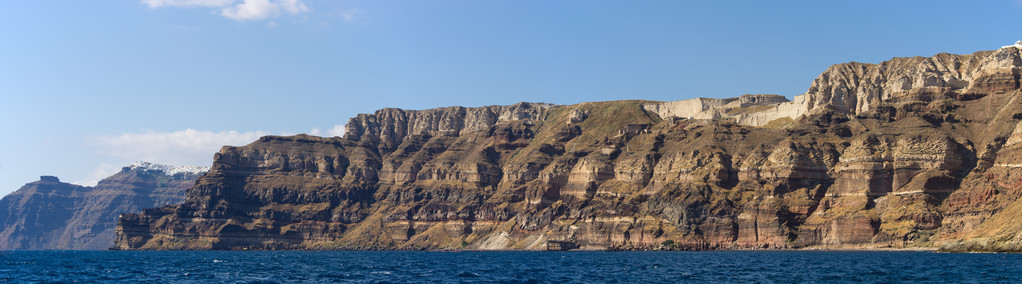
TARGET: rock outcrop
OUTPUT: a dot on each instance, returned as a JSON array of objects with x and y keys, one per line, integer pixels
[
  {"x": 911, "y": 152},
  {"x": 52, "y": 215},
  {"x": 752, "y": 110},
  {"x": 853, "y": 88}
]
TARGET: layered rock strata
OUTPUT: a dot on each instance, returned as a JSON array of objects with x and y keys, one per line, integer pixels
[
  {"x": 911, "y": 152},
  {"x": 52, "y": 215}
]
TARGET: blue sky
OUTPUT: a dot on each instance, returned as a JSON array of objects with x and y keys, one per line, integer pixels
[{"x": 89, "y": 86}]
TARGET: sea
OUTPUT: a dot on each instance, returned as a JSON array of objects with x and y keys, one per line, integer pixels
[{"x": 507, "y": 267}]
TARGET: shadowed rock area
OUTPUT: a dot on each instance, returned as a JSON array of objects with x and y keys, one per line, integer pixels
[
  {"x": 909, "y": 153},
  {"x": 52, "y": 215}
]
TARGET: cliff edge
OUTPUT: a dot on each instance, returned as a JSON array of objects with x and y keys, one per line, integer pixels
[{"x": 908, "y": 153}]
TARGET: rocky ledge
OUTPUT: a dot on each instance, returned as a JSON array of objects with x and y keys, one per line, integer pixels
[{"x": 909, "y": 153}]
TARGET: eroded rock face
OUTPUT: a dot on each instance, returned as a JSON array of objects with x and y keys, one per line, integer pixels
[
  {"x": 854, "y": 88},
  {"x": 912, "y": 152},
  {"x": 49, "y": 214},
  {"x": 390, "y": 126},
  {"x": 754, "y": 110}
]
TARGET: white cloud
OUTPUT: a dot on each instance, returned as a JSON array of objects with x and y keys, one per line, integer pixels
[
  {"x": 249, "y": 10},
  {"x": 188, "y": 147},
  {"x": 240, "y": 10},
  {"x": 337, "y": 130},
  {"x": 101, "y": 172},
  {"x": 349, "y": 15},
  {"x": 294, "y": 6}
]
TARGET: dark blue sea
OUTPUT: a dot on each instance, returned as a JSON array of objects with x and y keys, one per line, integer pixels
[{"x": 507, "y": 267}]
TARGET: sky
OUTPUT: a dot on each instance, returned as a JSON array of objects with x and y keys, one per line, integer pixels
[{"x": 87, "y": 87}]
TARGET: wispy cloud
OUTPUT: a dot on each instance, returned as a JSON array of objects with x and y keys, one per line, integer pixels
[
  {"x": 240, "y": 10},
  {"x": 101, "y": 172},
  {"x": 349, "y": 15},
  {"x": 294, "y": 6},
  {"x": 250, "y": 10},
  {"x": 189, "y": 147},
  {"x": 337, "y": 130},
  {"x": 185, "y": 147}
]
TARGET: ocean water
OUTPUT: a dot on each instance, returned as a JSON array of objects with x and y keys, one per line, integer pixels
[{"x": 507, "y": 267}]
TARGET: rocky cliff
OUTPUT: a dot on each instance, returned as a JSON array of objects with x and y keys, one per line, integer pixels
[
  {"x": 50, "y": 214},
  {"x": 911, "y": 152}
]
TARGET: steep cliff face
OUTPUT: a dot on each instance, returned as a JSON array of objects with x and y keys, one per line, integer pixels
[
  {"x": 854, "y": 88},
  {"x": 390, "y": 126},
  {"x": 912, "y": 152},
  {"x": 754, "y": 110},
  {"x": 27, "y": 214},
  {"x": 49, "y": 214}
]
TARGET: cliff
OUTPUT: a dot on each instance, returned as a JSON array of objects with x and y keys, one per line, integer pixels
[
  {"x": 50, "y": 214},
  {"x": 854, "y": 88},
  {"x": 911, "y": 152}
]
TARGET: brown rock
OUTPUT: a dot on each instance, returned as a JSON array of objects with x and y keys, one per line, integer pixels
[{"x": 911, "y": 152}]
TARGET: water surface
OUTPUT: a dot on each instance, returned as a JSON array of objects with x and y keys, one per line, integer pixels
[{"x": 508, "y": 267}]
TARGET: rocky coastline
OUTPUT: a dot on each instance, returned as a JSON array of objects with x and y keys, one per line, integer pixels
[{"x": 917, "y": 153}]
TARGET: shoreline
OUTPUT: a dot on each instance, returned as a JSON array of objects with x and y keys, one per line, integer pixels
[{"x": 810, "y": 249}]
